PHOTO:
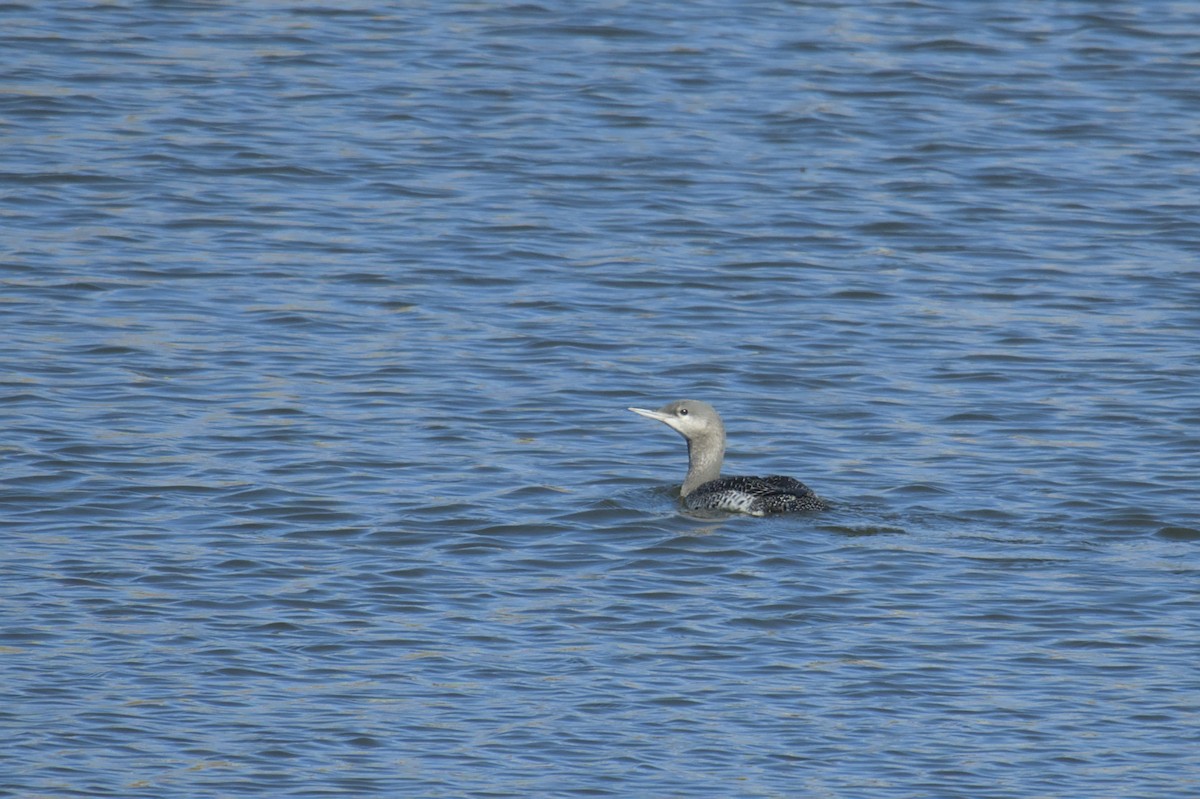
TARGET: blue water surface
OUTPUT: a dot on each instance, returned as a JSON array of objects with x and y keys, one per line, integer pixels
[{"x": 320, "y": 321}]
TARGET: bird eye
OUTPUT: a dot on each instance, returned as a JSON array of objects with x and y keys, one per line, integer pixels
[{"x": 683, "y": 411}]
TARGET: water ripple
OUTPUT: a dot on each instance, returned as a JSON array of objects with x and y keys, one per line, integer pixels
[{"x": 322, "y": 321}]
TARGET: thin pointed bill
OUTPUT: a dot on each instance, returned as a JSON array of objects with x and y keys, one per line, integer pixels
[{"x": 661, "y": 417}]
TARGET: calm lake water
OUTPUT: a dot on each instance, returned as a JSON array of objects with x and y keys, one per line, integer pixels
[{"x": 320, "y": 322}]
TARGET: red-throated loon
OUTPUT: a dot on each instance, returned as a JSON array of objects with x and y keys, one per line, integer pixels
[{"x": 705, "y": 489}]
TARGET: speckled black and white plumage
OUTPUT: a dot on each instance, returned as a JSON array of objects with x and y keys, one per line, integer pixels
[
  {"x": 704, "y": 489},
  {"x": 757, "y": 496}
]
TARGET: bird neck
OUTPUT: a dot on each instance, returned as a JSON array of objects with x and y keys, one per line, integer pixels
[{"x": 704, "y": 461}]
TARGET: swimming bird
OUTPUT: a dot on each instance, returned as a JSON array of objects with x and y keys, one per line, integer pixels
[{"x": 705, "y": 489}]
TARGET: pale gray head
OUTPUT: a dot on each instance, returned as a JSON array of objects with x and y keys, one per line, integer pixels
[
  {"x": 692, "y": 419},
  {"x": 699, "y": 423}
]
